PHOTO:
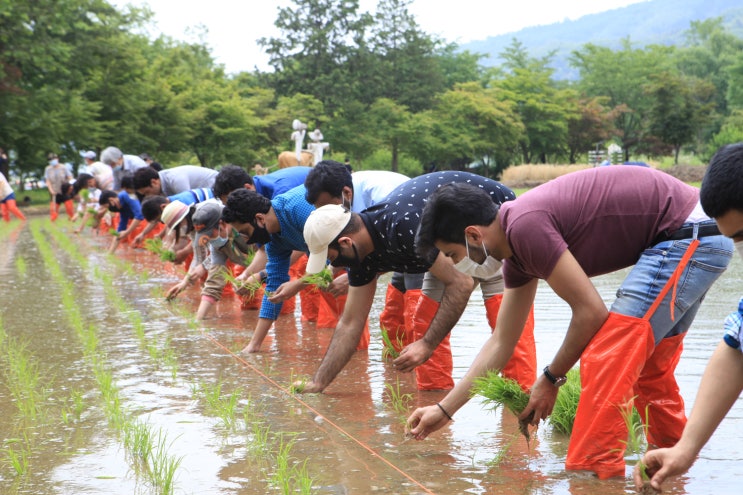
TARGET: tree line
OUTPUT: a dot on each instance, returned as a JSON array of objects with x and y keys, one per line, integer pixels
[{"x": 80, "y": 74}]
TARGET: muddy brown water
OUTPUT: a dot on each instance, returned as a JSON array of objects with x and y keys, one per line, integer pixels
[{"x": 350, "y": 437}]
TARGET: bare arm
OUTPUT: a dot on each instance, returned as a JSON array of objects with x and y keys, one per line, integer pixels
[
  {"x": 721, "y": 385},
  {"x": 589, "y": 312},
  {"x": 345, "y": 338},
  {"x": 457, "y": 290},
  {"x": 494, "y": 355}
]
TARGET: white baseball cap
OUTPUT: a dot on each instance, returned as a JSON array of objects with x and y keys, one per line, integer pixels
[{"x": 321, "y": 228}]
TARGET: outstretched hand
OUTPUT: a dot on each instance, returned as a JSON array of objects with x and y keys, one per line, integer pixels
[
  {"x": 424, "y": 421},
  {"x": 412, "y": 356},
  {"x": 661, "y": 464}
]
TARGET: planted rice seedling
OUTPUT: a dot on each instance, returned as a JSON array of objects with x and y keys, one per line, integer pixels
[
  {"x": 636, "y": 444},
  {"x": 398, "y": 400},
  {"x": 390, "y": 349},
  {"x": 20, "y": 266},
  {"x": 17, "y": 458}
]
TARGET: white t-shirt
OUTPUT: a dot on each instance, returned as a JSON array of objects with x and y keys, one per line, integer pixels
[{"x": 372, "y": 186}]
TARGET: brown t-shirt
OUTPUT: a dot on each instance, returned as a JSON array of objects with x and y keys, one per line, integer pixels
[{"x": 605, "y": 216}]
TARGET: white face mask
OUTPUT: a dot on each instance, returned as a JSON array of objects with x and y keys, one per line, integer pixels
[
  {"x": 739, "y": 247},
  {"x": 488, "y": 269}
]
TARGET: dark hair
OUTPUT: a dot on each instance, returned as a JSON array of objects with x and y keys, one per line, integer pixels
[
  {"x": 156, "y": 166},
  {"x": 448, "y": 211},
  {"x": 327, "y": 176},
  {"x": 722, "y": 184},
  {"x": 229, "y": 178},
  {"x": 105, "y": 196},
  {"x": 151, "y": 207},
  {"x": 127, "y": 181},
  {"x": 80, "y": 183},
  {"x": 143, "y": 177},
  {"x": 243, "y": 204}
]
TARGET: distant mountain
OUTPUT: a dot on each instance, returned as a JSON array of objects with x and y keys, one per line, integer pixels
[{"x": 652, "y": 22}]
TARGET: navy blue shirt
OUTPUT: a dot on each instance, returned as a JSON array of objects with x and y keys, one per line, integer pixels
[{"x": 393, "y": 223}]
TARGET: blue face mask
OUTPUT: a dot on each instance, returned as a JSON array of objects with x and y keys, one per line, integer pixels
[
  {"x": 54, "y": 162},
  {"x": 218, "y": 242}
]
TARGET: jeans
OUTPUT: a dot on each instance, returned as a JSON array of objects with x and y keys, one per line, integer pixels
[{"x": 651, "y": 272}]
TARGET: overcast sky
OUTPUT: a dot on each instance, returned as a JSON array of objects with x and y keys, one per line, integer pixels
[{"x": 235, "y": 25}]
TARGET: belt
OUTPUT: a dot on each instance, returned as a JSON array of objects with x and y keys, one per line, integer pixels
[{"x": 687, "y": 232}]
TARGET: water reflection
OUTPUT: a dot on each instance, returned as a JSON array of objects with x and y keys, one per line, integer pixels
[{"x": 351, "y": 437}]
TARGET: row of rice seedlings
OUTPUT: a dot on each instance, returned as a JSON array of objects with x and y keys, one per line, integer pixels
[
  {"x": 223, "y": 406},
  {"x": 22, "y": 376},
  {"x": 20, "y": 266},
  {"x": 161, "y": 467},
  {"x": 272, "y": 451},
  {"x": 398, "y": 401},
  {"x": 74, "y": 410},
  {"x": 290, "y": 476},
  {"x": 17, "y": 452},
  {"x": 147, "y": 450},
  {"x": 166, "y": 355}
]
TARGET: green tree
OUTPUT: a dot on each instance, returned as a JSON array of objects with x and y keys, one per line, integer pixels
[
  {"x": 680, "y": 107},
  {"x": 468, "y": 124},
  {"x": 620, "y": 75},
  {"x": 544, "y": 109},
  {"x": 317, "y": 50},
  {"x": 590, "y": 127}
]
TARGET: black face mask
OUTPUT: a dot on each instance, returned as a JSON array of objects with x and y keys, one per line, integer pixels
[
  {"x": 260, "y": 236},
  {"x": 341, "y": 261}
]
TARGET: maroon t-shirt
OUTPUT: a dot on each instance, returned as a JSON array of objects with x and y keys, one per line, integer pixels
[{"x": 605, "y": 216}]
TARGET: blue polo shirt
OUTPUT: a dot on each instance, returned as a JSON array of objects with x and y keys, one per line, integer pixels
[
  {"x": 130, "y": 210},
  {"x": 292, "y": 210},
  {"x": 281, "y": 181}
]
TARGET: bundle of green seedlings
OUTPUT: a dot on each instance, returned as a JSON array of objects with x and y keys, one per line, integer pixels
[
  {"x": 155, "y": 246},
  {"x": 321, "y": 279},
  {"x": 243, "y": 285},
  {"x": 500, "y": 391},
  {"x": 92, "y": 220}
]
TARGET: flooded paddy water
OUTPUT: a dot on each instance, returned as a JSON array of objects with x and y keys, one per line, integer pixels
[{"x": 95, "y": 365}]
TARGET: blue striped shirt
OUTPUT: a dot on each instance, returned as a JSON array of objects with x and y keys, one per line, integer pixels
[
  {"x": 292, "y": 210},
  {"x": 193, "y": 196}
]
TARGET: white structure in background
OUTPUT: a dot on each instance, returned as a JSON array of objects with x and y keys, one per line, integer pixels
[
  {"x": 615, "y": 153},
  {"x": 298, "y": 137},
  {"x": 317, "y": 147}
]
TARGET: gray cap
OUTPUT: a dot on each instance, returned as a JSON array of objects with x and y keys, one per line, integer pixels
[{"x": 206, "y": 216}]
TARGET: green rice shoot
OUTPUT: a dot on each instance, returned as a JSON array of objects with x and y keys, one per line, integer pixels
[
  {"x": 389, "y": 350},
  {"x": 566, "y": 404},
  {"x": 243, "y": 285},
  {"x": 500, "y": 391},
  {"x": 321, "y": 279}
]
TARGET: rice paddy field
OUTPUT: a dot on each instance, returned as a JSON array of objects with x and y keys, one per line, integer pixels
[{"x": 105, "y": 388}]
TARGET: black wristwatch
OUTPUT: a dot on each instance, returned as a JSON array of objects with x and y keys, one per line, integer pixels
[{"x": 557, "y": 381}]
